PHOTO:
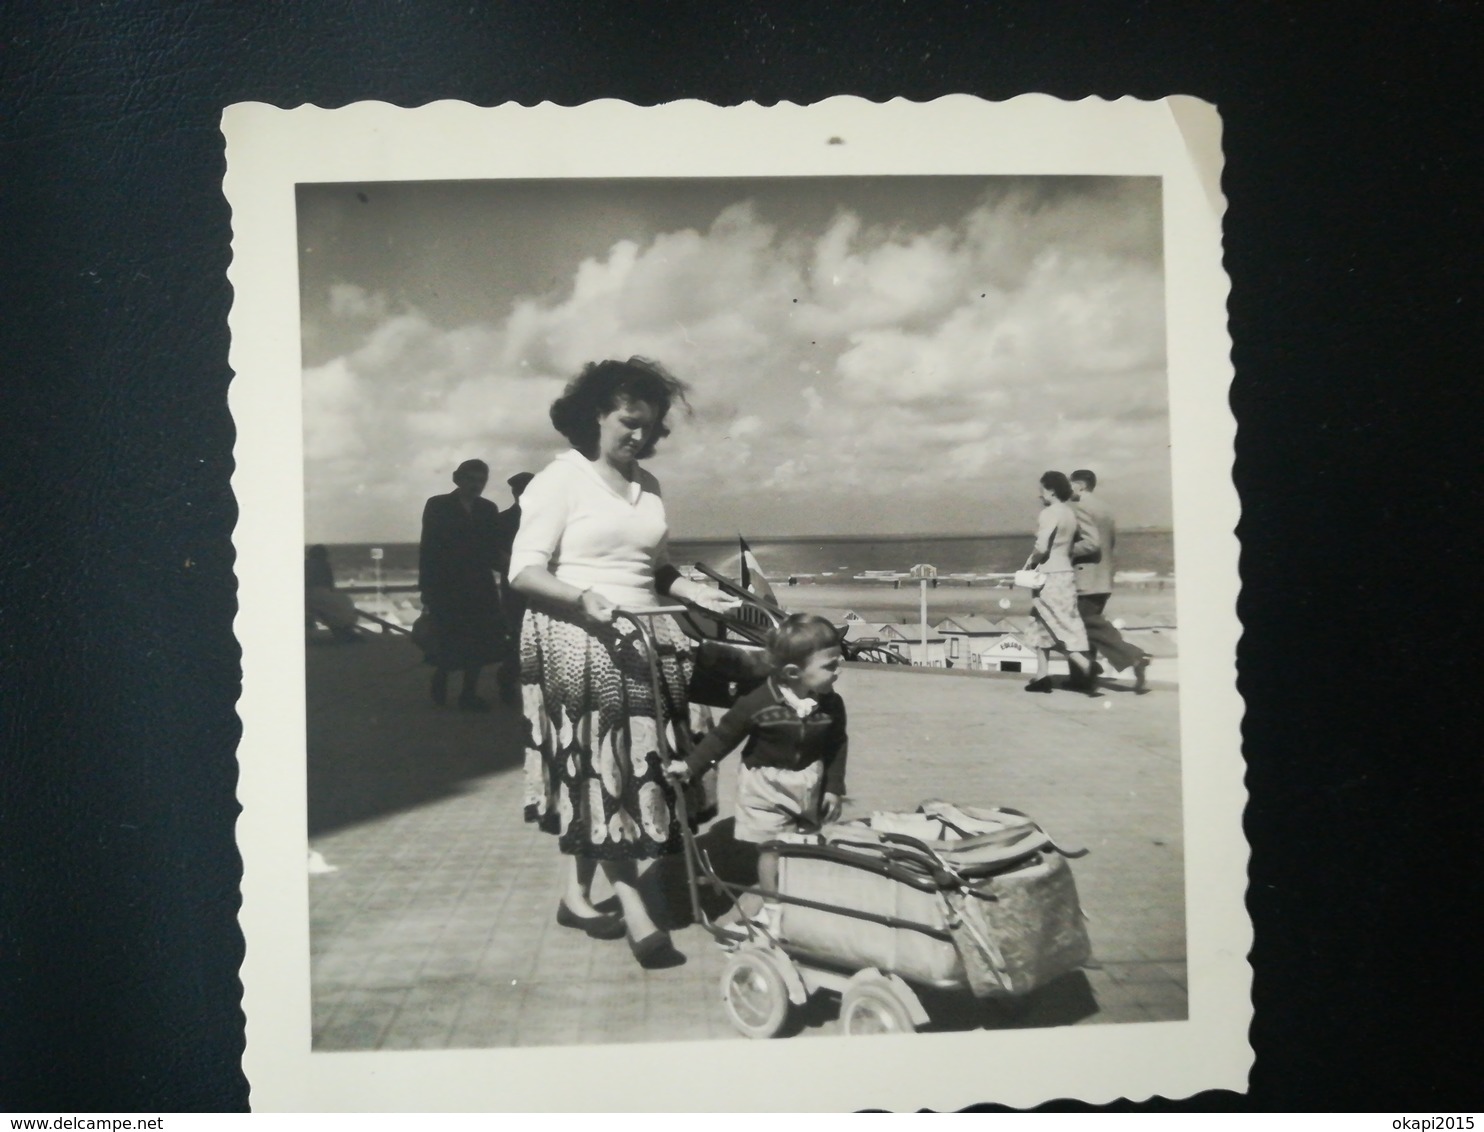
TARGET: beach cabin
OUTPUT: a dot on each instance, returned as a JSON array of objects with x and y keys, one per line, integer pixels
[
  {"x": 1011, "y": 654},
  {"x": 906, "y": 640},
  {"x": 861, "y": 631},
  {"x": 1017, "y": 623},
  {"x": 967, "y": 635},
  {"x": 1008, "y": 653}
]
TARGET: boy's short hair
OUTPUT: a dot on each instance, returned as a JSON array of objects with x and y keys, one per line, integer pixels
[{"x": 799, "y": 637}]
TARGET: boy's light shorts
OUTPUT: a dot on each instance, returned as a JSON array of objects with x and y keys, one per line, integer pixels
[{"x": 767, "y": 796}]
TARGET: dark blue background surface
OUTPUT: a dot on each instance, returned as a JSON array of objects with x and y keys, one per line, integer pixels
[{"x": 1352, "y": 236}]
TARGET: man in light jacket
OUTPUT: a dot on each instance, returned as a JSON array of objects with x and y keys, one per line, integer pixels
[{"x": 1095, "y": 580}]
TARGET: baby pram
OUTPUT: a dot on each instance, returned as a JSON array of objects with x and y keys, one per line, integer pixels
[{"x": 948, "y": 898}]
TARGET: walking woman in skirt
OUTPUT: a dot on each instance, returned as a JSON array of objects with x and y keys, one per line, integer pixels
[
  {"x": 593, "y": 539},
  {"x": 1055, "y": 622}
]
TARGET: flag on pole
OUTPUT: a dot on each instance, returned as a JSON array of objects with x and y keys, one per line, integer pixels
[{"x": 752, "y": 574}]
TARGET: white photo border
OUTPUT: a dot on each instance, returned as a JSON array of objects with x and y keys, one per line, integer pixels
[{"x": 270, "y": 150}]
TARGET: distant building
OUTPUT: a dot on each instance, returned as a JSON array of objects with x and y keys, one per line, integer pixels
[
  {"x": 906, "y": 640},
  {"x": 860, "y": 631},
  {"x": 965, "y": 636},
  {"x": 1010, "y": 654}
]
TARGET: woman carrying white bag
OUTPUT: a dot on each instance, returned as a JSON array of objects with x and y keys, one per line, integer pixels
[{"x": 1052, "y": 580}]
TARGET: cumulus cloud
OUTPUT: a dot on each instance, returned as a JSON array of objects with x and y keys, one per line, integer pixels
[{"x": 848, "y": 375}]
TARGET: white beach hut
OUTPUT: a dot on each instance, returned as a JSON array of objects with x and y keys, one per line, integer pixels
[
  {"x": 967, "y": 635},
  {"x": 906, "y": 640}
]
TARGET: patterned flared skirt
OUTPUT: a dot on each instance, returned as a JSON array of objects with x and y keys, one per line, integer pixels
[
  {"x": 593, "y": 772},
  {"x": 1055, "y": 622}
]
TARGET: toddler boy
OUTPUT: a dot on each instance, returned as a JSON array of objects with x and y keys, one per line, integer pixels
[{"x": 792, "y": 776}]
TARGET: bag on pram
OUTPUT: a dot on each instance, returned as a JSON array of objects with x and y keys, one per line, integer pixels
[{"x": 963, "y": 896}]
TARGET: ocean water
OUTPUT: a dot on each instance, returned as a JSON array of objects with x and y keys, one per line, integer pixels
[{"x": 836, "y": 556}]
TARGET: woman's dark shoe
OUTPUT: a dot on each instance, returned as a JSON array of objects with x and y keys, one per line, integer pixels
[
  {"x": 1141, "y": 667},
  {"x": 605, "y": 925},
  {"x": 1083, "y": 682},
  {"x": 655, "y": 951},
  {"x": 1041, "y": 685}
]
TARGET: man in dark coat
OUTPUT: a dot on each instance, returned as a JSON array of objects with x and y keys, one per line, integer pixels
[
  {"x": 507, "y": 525},
  {"x": 457, "y": 559}
]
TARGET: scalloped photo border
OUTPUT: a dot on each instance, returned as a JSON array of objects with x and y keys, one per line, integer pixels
[{"x": 269, "y": 150}]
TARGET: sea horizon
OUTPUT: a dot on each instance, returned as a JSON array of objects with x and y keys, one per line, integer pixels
[
  {"x": 1140, "y": 549},
  {"x": 763, "y": 537}
]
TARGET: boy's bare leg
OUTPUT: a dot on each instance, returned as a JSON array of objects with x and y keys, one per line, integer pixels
[{"x": 767, "y": 876}]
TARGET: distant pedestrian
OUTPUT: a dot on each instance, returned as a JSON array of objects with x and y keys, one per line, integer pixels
[
  {"x": 1055, "y": 623},
  {"x": 1095, "y": 582},
  {"x": 324, "y": 603},
  {"x": 457, "y": 558},
  {"x": 792, "y": 778},
  {"x": 507, "y": 526}
]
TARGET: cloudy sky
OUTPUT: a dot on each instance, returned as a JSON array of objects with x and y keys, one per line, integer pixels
[{"x": 867, "y": 355}]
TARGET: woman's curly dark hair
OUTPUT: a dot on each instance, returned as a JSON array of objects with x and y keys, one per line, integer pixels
[
  {"x": 1058, "y": 484},
  {"x": 599, "y": 388}
]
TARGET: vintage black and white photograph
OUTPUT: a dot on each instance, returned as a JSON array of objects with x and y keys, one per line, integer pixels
[{"x": 751, "y": 606}]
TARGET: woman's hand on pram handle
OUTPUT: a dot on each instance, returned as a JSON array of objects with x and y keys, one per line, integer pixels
[
  {"x": 830, "y": 807},
  {"x": 712, "y": 600},
  {"x": 596, "y": 609},
  {"x": 676, "y": 770}
]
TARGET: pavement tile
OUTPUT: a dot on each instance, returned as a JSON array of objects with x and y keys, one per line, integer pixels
[
  {"x": 361, "y": 1021},
  {"x": 426, "y": 1018},
  {"x": 448, "y": 963},
  {"x": 1116, "y": 995},
  {"x": 487, "y": 1016},
  {"x": 338, "y": 967},
  {"x": 1167, "y": 1012},
  {"x": 551, "y": 1013},
  {"x": 1141, "y": 972},
  {"x": 1164, "y": 994},
  {"x": 1176, "y": 973}
]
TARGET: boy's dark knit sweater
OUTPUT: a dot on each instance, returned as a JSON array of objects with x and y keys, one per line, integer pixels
[{"x": 777, "y": 737}]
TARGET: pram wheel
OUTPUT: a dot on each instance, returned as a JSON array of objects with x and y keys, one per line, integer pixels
[
  {"x": 754, "y": 993},
  {"x": 874, "y": 1007}
]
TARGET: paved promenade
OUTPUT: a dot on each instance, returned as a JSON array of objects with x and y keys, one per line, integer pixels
[{"x": 435, "y": 928}]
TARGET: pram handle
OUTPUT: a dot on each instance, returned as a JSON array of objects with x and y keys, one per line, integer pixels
[{"x": 634, "y": 614}]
